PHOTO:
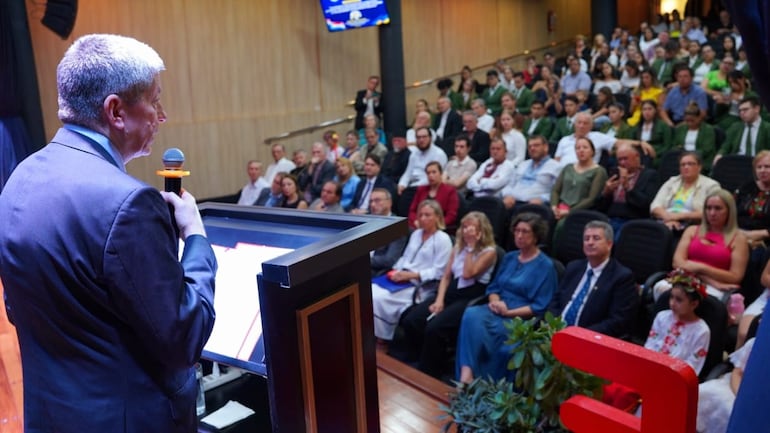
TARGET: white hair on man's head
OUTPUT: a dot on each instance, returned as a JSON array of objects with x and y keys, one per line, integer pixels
[{"x": 98, "y": 65}]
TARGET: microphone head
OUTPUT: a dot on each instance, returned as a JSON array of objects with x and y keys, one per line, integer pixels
[{"x": 173, "y": 158}]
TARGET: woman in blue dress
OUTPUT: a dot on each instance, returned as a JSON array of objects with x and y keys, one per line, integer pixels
[{"x": 523, "y": 287}]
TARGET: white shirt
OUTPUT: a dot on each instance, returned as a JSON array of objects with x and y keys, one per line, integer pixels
[
  {"x": 250, "y": 192},
  {"x": 485, "y": 123},
  {"x": 282, "y": 165},
  {"x": 492, "y": 185},
  {"x": 565, "y": 151},
  {"x": 515, "y": 146},
  {"x": 414, "y": 175}
]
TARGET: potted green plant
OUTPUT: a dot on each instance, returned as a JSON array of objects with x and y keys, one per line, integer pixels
[{"x": 531, "y": 402}]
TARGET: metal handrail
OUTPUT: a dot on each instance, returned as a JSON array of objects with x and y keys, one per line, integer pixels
[
  {"x": 308, "y": 129},
  {"x": 415, "y": 85}
]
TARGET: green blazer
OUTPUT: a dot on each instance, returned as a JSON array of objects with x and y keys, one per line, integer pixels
[
  {"x": 660, "y": 139},
  {"x": 668, "y": 68},
  {"x": 456, "y": 99},
  {"x": 734, "y": 133},
  {"x": 544, "y": 127},
  {"x": 492, "y": 98},
  {"x": 524, "y": 101},
  {"x": 560, "y": 129},
  {"x": 705, "y": 143},
  {"x": 625, "y": 131}
]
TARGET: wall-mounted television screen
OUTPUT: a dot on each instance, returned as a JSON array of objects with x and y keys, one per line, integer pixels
[{"x": 354, "y": 14}]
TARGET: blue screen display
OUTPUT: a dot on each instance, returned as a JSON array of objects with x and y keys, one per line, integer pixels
[{"x": 353, "y": 14}]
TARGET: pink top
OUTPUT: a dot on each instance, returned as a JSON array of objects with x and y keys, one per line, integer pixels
[{"x": 711, "y": 250}]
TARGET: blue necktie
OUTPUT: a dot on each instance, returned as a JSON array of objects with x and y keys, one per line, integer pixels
[{"x": 574, "y": 308}]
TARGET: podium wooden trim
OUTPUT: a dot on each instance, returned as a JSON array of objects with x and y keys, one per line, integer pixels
[{"x": 318, "y": 326}]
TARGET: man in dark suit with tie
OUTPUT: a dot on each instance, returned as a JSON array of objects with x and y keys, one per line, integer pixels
[
  {"x": 447, "y": 125},
  {"x": 748, "y": 136},
  {"x": 479, "y": 139},
  {"x": 368, "y": 101},
  {"x": 373, "y": 179},
  {"x": 109, "y": 320},
  {"x": 597, "y": 293}
]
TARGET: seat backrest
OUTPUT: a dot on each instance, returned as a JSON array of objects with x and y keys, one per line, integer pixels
[
  {"x": 569, "y": 245},
  {"x": 494, "y": 209},
  {"x": 668, "y": 164},
  {"x": 733, "y": 171},
  {"x": 714, "y": 313},
  {"x": 645, "y": 247}
]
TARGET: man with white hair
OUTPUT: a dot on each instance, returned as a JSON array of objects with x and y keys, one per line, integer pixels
[
  {"x": 313, "y": 177},
  {"x": 565, "y": 152},
  {"x": 421, "y": 119},
  {"x": 110, "y": 321},
  {"x": 484, "y": 121}
]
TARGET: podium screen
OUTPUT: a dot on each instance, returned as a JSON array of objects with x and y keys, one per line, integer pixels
[{"x": 241, "y": 246}]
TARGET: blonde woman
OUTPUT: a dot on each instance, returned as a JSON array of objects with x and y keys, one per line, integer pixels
[{"x": 431, "y": 324}]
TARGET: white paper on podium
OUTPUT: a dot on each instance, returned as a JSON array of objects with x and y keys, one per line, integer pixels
[{"x": 238, "y": 323}]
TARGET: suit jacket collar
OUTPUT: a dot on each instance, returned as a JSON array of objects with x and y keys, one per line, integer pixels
[{"x": 75, "y": 140}]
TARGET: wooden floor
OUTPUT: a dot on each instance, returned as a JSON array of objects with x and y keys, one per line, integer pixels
[{"x": 409, "y": 400}]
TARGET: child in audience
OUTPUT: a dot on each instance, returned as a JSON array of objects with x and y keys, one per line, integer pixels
[{"x": 679, "y": 332}]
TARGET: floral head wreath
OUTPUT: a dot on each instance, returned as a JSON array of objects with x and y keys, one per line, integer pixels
[{"x": 687, "y": 281}]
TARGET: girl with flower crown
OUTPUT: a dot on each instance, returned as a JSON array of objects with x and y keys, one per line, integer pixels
[{"x": 679, "y": 332}]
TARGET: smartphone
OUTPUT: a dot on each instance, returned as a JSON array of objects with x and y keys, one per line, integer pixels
[{"x": 613, "y": 172}]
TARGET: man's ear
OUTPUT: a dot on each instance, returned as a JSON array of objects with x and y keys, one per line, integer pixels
[{"x": 113, "y": 110}]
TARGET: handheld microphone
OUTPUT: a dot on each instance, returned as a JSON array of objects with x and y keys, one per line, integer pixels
[{"x": 172, "y": 172}]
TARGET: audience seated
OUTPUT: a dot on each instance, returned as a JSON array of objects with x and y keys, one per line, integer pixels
[
  {"x": 251, "y": 191},
  {"x": 715, "y": 250},
  {"x": 522, "y": 94},
  {"x": 315, "y": 174},
  {"x": 565, "y": 152},
  {"x": 695, "y": 135},
  {"x": 479, "y": 139},
  {"x": 373, "y": 146},
  {"x": 652, "y": 131},
  {"x": 347, "y": 180},
  {"x": 434, "y": 322},
  {"x": 333, "y": 148},
  {"x": 597, "y": 293},
  {"x": 273, "y": 196},
  {"x": 579, "y": 183},
  {"x": 522, "y": 287},
  {"x": 534, "y": 178},
  {"x": 447, "y": 125},
  {"x": 493, "y": 174},
  {"x": 564, "y": 126},
  {"x": 445, "y": 195},
  {"x": 752, "y": 201},
  {"x": 617, "y": 126},
  {"x": 383, "y": 258},
  {"x": 329, "y": 201},
  {"x": 515, "y": 143},
  {"x": 548, "y": 91},
  {"x": 279, "y": 164},
  {"x": 444, "y": 87},
  {"x": 708, "y": 63},
  {"x": 421, "y": 119},
  {"x": 492, "y": 94},
  {"x": 395, "y": 162},
  {"x": 290, "y": 191},
  {"x": 371, "y": 122},
  {"x": 537, "y": 123},
  {"x": 627, "y": 194},
  {"x": 421, "y": 266},
  {"x": 750, "y": 135},
  {"x": 715, "y": 82},
  {"x": 717, "y": 396},
  {"x": 352, "y": 153},
  {"x": 680, "y": 199},
  {"x": 680, "y": 96},
  {"x": 460, "y": 167},
  {"x": 601, "y": 106},
  {"x": 726, "y": 110},
  {"x": 371, "y": 181},
  {"x": 299, "y": 158},
  {"x": 424, "y": 152},
  {"x": 575, "y": 78},
  {"x": 484, "y": 121},
  {"x": 648, "y": 90}
]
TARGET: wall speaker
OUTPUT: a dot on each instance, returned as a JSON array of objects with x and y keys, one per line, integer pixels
[{"x": 60, "y": 16}]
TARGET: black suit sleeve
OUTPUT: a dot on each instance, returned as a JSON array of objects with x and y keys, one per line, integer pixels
[
  {"x": 644, "y": 191},
  {"x": 622, "y": 308}
]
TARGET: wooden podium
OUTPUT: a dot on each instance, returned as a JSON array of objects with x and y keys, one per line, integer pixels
[{"x": 316, "y": 307}]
